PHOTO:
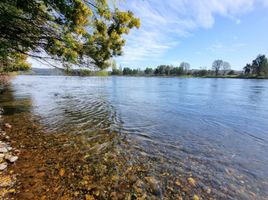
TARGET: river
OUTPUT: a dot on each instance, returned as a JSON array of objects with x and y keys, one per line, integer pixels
[{"x": 154, "y": 138}]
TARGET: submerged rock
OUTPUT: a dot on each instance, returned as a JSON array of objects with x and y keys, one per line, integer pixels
[
  {"x": 11, "y": 158},
  {"x": 195, "y": 197},
  {"x": 62, "y": 172},
  {"x": 7, "y": 125},
  {"x": 3, "y": 166},
  {"x": 191, "y": 181},
  {"x": 153, "y": 183},
  {"x": 3, "y": 150}
]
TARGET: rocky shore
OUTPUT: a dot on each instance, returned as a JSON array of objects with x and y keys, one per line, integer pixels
[{"x": 8, "y": 156}]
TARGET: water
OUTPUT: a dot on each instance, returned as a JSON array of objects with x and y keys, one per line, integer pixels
[{"x": 213, "y": 130}]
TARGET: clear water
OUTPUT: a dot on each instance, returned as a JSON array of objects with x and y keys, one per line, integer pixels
[{"x": 215, "y": 130}]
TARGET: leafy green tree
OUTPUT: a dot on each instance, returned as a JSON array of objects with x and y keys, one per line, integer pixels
[
  {"x": 232, "y": 72},
  {"x": 127, "y": 71},
  {"x": 217, "y": 65},
  {"x": 260, "y": 65},
  {"x": 148, "y": 71},
  {"x": 115, "y": 70},
  {"x": 74, "y": 32},
  {"x": 135, "y": 72},
  {"x": 177, "y": 71},
  {"x": 247, "y": 69},
  {"x": 17, "y": 62}
]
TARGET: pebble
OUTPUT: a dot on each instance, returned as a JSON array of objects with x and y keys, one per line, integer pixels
[
  {"x": 62, "y": 172},
  {"x": 195, "y": 197},
  {"x": 153, "y": 183},
  {"x": 3, "y": 166},
  {"x": 11, "y": 158},
  {"x": 192, "y": 182},
  {"x": 7, "y": 125},
  {"x": 3, "y": 150}
]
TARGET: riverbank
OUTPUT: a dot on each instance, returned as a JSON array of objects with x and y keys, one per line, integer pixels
[
  {"x": 8, "y": 157},
  {"x": 66, "y": 167},
  {"x": 241, "y": 76}
]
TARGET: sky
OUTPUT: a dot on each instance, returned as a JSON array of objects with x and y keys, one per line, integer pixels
[
  {"x": 194, "y": 31},
  {"x": 197, "y": 32}
]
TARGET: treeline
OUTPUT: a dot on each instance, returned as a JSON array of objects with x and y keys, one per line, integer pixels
[
  {"x": 258, "y": 67},
  {"x": 219, "y": 68},
  {"x": 169, "y": 70}
]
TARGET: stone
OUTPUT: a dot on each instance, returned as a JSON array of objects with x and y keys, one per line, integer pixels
[
  {"x": 178, "y": 183},
  {"x": 62, "y": 172},
  {"x": 132, "y": 178},
  {"x": 195, "y": 197},
  {"x": 11, "y": 158},
  {"x": 192, "y": 182},
  {"x": 153, "y": 183},
  {"x": 2, "y": 155},
  {"x": 7, "y": 125},
  {"x": 89, "y": 197},
  {"x": 3, "y": 166},
  {"x": 3, "y": 150}
]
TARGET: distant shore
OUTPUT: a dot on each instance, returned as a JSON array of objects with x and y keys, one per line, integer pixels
[{"x": 107, "y": 73}]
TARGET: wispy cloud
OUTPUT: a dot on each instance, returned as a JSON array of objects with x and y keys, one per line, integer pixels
[{"x": 165, "y": 23}]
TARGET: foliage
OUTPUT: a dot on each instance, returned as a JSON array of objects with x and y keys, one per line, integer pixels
[
  {"x": 232, "y": 72},
  {"x": 201, "y": 72},
  {"x": 101, "y": 73},
  {"x": 115, "y": 70},
  {"x": 185, "y": 66},
  {"x": 128, "y": 71},
  {"x": 14, "y": 62},
  {"x": 85, "y": 72},
  {"x": 258, "y": 67},
  {"x": 148, "y": 71},
  {"x": 170, "y": 70},
  {"x": 74, "y": 32}
]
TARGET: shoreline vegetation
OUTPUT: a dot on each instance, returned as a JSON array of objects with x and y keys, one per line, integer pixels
[{"x": 220, "y": 69}]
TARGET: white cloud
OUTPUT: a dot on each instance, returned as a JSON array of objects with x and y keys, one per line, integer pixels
[{"x": 164, "y": 23}]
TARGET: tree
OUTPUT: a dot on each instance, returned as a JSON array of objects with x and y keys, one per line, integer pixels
[
  {"x": 247, "y": 68},
  {"x": 216, "y": 66},
  {"x": 74, "y": 32},
  {"x": 127, "y": 71},
  {"x": 231, "y": 72},
  {"x": 148, "y": 71},
  {"x": 185, "y": 66},
  {"x": 18, "y": 62},
  {"x": 226, "y": 67},
  {"x": 260, "y": 65},
  {"x": 115, "y": 70},
  {"x": 178, "y": 71}
]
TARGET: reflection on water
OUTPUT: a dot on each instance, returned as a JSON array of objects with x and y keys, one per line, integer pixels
[{"x": 152, "y": 136}]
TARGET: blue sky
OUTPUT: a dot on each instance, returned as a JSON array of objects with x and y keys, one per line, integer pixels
[{"x": 196, "y": 31}]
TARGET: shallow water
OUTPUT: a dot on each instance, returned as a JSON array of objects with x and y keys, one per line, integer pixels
[{"x": 212, "y": 130}]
